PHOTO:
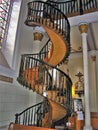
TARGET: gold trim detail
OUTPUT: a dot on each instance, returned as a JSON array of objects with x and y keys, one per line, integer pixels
[
  {"x": 83, "y": 28},
  {"x": 38, "y": 36}
]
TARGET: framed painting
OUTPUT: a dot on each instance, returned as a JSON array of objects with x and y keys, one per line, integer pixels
[{"x": 77, "y": 105}]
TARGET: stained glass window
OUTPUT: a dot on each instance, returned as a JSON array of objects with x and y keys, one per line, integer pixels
[{"x": 5, "y": 11}]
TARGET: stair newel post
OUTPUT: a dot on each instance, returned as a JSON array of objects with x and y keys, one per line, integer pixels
[{"x": 16, "y": 118}]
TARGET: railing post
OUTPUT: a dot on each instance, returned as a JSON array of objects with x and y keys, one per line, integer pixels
[
  {"x": 16, "y": 118},
  {"x": 81, "y": 9}
]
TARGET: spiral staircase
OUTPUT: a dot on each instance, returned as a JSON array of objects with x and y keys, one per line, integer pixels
[{"x": 40, "y": 72}]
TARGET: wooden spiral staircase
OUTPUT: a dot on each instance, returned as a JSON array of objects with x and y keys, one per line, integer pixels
[{"x": 40, "y": 72}]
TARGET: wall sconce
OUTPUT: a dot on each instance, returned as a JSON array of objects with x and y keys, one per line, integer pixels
[
  {"x": 38, "y": 34},
  {"x": 79, "y": 85}
]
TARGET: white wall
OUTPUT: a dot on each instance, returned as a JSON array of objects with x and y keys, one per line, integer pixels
[
  {"x": 75, "y": 65},
  {"x": 13, "y": 99}
]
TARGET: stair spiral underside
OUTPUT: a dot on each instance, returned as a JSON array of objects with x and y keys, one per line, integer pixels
[{"x": 59, "y": 47}]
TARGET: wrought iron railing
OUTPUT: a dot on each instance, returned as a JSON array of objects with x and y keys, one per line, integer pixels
[
  {"x": 44, "y": 79},
  {"x": 44, "y": 52},
  {"x": 33, "y": 115},
  {"x": 70, "y": 7}
]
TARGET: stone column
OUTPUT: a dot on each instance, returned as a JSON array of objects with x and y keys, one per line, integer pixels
[
  {"x": 94, "y": 88},
  {"x": 83, "y": 30}
]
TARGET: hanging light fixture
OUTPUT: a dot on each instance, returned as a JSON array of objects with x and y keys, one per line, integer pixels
[{"x": 38, "y": 34}]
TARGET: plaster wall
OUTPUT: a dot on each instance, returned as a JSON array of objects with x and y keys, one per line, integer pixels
[{"x": 13, "y": 99}]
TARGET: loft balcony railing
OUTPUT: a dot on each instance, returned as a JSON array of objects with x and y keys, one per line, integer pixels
[{"x": 76, "y": 7}]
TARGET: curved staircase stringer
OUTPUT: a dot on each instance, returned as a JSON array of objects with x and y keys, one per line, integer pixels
[
  {"x": 58, "y": 111},
  {"x": 59, "y": 47}
]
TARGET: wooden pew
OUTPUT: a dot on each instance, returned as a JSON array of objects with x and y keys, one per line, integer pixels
[
  {"x": 94, "y": 120},
  {"x": 13, "y": 126},
  {"x": 77, "y": 125}
]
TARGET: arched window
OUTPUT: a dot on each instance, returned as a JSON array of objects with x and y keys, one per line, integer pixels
[{"x": 5, "y": 11}]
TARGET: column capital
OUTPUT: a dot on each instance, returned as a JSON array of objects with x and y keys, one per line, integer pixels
[
  {"x": 93, "y": 58},
  {"x": 83, "y": 28}
]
